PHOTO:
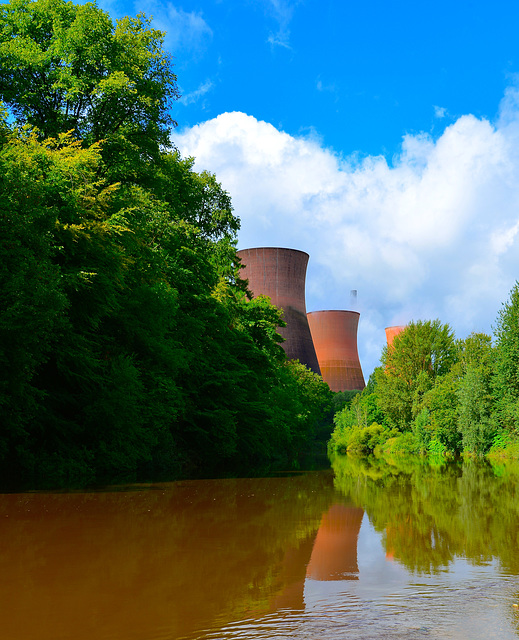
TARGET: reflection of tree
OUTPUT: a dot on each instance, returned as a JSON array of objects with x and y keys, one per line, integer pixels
[
  {"x": 177, "y": 558},
  {"x": 430, "y": 515}
]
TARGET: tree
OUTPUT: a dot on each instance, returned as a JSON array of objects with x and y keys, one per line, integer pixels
[
  {"x": 62, "y": 266},
  {"x": 420, "y": 354},
  {"x": 31, "y": 299},
  {"x": 476, "y": 403},
  {"x": 438, "y": 419},
  {"x": 66, "y": 67},
  {"x": 506, "y": 378},
  {"x": 128, "y": 337},
  {"x": 124, "y": 343}
]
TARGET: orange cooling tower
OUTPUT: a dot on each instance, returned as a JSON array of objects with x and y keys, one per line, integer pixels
[
  {"x": 335, "y": 339},
  {"x": 392, "y": 332},
  {"x": 281, "y": 275}
]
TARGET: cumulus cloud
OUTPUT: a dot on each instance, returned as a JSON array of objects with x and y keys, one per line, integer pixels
[{"x": 435, "y": 233}]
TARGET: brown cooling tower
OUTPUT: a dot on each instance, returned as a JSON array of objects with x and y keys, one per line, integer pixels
[
  {"x": 281, "y": 275},
  {"x": 392, "y": 332},
  {"x": 335, "y": 339}
]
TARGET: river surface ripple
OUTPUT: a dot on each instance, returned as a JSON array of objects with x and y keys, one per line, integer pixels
[{"x": 360, "y": 552}]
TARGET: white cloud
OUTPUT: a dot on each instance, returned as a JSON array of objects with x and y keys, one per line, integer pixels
[
  {"x": 329, "y": 88},
  {"x": 282, "y": 11},
  {"x": 434, "y": 234},
  {"x": 187, "y": 31},
  {"x": 280, "y": 39},
  {"x": 195, "y": 95}
]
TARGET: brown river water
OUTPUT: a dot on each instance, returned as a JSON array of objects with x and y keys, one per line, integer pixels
[{"x": 365, "y": 550}]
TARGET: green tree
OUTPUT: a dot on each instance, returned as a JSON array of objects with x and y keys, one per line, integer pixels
[
  {"x": 66, "y": 67},
  {"x": 506, "y": 378},
  {"x": 133, "y": 347},
  {"x": 53, "y": 211},
  {"x": 361, "y": 424},
  {"x": 476, "y": 402},
  {"x": 31, "y": 299},
  {"x": 128, "y": 337},
  {"x": 438, "y": 420},
  {"x": 458, "y": 408},
  {"x": 423, "y": 352}
]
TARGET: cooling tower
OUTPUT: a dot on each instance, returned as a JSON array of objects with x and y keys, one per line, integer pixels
[
  {"x": 281, "y": 275},
  {"x": 392, "y": 332},
  {"x": 335, "y": 339}
]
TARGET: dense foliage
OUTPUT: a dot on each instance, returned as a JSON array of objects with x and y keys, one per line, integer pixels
[
  {"x": 434, "y": 394},
  {"x": 67, "y": 67},
  {"x": 128, "y": 341}
]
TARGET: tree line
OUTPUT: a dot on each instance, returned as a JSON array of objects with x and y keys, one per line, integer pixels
[
  {"x": 435, "y": 394},
  {"x": 128, "y": 341}
]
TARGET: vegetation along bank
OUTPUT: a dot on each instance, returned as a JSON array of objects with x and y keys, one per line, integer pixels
[
  {"x": 438, "y": 395},
  {"x": 128, "y": 341}
]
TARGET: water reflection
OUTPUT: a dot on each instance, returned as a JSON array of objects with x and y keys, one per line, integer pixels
[
  {"x": 334, "y": 553},
  {"x": 430, "y": 516},
  {"x": 152, "y": 563},
  {"x": 373, "y": 550}
]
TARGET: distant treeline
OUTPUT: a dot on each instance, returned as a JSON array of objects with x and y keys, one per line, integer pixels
[
  {"x": 128, "y": 342},
  {"x": 438, "y": 395}
]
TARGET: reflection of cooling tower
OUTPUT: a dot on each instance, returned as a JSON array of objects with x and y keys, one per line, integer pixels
[
  {"x": 334, "y": 555},
  {"x": 335, "y": 339},
  {"x": 392, "y": 332},
  {"x": 281, "y": 274}
]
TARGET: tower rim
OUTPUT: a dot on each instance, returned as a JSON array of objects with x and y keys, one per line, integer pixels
[
  {"x": 333, "y": 311},
  {"x": 277, "y": 248}
]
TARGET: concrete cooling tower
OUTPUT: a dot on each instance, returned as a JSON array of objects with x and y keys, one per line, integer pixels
[
  {"x": 281, "y": 275},
  {"x": 392, "y": 332},
  {"x": 335, "y": 339}
]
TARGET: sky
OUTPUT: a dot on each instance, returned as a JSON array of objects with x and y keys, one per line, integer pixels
[{"x": 382, "y": 138}]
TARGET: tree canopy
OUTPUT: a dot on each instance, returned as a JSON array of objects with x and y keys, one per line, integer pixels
[
  {"x": 128, "y": 341},
  {"x": 418, "y": 355},
  {"x": 67, "y": 67},
  {"x": 436, "y": 394}
]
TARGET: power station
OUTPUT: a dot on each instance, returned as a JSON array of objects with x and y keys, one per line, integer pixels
[
  {"x": 325, "y": 341},
  {"x": 392, "y": 332},
  {"x": 281, "y": 274},
  {"x": 335, "y": 340}
]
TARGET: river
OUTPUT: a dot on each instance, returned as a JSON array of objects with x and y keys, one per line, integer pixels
[{"x": 366, "y": 550}]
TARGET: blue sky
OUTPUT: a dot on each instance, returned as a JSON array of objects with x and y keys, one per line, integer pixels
[
  {"x": 358, "y": 74},
  {"x": 380, "y": 137}
]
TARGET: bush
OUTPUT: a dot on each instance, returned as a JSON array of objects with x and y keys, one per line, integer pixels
[
  {"x": 436, "y": 449},
  {"x": 403, "y": 444},
  {"x": 504, "y": 445},
  {"x": 363, "y": 440}
]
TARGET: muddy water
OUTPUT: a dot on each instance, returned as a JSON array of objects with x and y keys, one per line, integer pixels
[{"x": 365, "y": 550}]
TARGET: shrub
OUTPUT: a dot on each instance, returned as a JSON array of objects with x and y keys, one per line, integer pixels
[{"x": 403, "y": 444}]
